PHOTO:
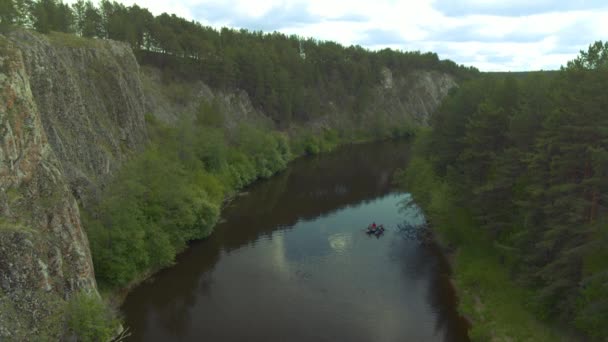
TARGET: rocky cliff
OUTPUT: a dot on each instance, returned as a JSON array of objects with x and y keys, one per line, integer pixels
[
  {"x": 44, "y": 253},
  {"x": 415, "y": 96},
  {"x": 70, "y": 113},
  {"x": 163, "y": 103},
  {"x": 406, "y": 99},
  {"x": 90, "y": 100}
]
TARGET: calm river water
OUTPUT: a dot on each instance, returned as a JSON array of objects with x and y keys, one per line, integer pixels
[{"x": 291, "y": 262}]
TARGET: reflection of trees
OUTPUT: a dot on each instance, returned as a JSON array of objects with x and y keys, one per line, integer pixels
[
  {"x": 310, "y": 187},
  {"x": 425, "y": 260},
  {"x": 171, "y": 293},
  {"x": 442, "y": 297}
]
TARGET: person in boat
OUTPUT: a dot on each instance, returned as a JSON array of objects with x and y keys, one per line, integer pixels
[{"x": 373, "y": 227}]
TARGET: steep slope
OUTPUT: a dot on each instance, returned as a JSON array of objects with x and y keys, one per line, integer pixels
[
  {"x": 91, "y": 103},
  {"x": 71, "y": 111},
  {"x": 407, "y": 100},
  {"x": 44, "y": 252}
]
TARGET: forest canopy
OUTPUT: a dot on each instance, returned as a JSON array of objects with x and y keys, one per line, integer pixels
[{"x": 528, "y": 158}]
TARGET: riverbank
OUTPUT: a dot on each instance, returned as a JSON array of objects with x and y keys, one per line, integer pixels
[
  {"x": 224, "y": 183},
  {"x": 497, "y": 308},
  {"x": 297, "y": 241}
]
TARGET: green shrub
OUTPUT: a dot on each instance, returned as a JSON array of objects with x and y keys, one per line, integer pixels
[
  {"x": 172, "y": 193},
  {"x": 592, "y": 304},
  {"x": 90, "y": 319},
  {"x": 209, "y": 113}
]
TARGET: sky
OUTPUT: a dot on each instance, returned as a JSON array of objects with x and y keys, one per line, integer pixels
[{"x": 492, "y": 35}]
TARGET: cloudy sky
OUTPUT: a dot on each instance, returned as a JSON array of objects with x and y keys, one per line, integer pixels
[{"x": 492, "y": 35}]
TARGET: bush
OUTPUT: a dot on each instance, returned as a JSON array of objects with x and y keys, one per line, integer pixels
[
  {"x": 90, "y": 319},
  {"x": 592, "y": 305},
  {"x": 172, "y": 193}
]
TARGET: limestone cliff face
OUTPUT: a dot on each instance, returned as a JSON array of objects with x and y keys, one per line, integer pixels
[
  {"x": 71, "y": 111},
  {"x": 412, "y": 98},
  {"x": 398, "y": 100},
  {"x": 90, "y": 100},
  {"x": 44, "y": 252},
  {"x": 417, "y": 95},
  {"x": 235, "y": 106}
]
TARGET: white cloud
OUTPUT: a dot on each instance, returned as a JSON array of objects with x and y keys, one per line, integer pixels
[{"x": 489, "y": 34}]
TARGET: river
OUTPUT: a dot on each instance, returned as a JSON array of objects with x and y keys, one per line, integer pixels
[{"x": 290, "y": 261}]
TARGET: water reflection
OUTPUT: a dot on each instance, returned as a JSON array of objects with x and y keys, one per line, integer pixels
[{"x": 291, "y": 263}]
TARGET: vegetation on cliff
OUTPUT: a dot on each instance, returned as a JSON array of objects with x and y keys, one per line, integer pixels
[
  {"x": 515, "y": 173},
  {"x": 172, "y": 193}
]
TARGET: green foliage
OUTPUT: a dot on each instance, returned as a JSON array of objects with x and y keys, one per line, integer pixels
[
  {"x": 172, "y": 193},
  {"x": 498, "y": 307},
  {"x": 210, "y": 114},
  {"x": 595, "y": 58},
  {"x": 89, "y": 22},
  {"x": 148, "y": 214},
  {"x": 268, "y": 151},
  {"x": 592, "y": 304},
  {"x": 8, "y": 12},
  {"x": 71, "y": 40},
  {"x": 90, "y": 319},
  {"x": 527, "y": 160},
  {"x": 51, "y": 15}
]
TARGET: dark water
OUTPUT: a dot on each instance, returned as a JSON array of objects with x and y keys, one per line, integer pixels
[{"x": 291, "y": 263}]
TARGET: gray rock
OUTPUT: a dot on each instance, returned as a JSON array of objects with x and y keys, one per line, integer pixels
[
  {"x": 69, "y": 117},
  {"x": 91, "y": 105}
]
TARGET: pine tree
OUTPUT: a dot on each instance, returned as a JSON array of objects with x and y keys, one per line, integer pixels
[
  {"x": 92, "y": 27},
  {"x": 570, "y": 170}
]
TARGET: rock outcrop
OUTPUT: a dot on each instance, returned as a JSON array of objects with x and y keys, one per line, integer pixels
[
  {"x": 398, "y": 101},
  {"x": 71, "y": 111},
  {"x": 420, "y": 94},
  {"x": 91, "y": 103},
  {"x": 44, "y": 252},
  {"x": 236, "y": 106}
]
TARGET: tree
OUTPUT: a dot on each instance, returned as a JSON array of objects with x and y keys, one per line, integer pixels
[
  {"x": 595, "y": 58},
  {"x": 50, "y": 15},
  {"x": 92, "y": 26},
  {"x": 79, "y": 11},
  {"x": 8, "y": 12},
  {"x": 42, "y": 13},
  {"x": 63, "y": 21}
]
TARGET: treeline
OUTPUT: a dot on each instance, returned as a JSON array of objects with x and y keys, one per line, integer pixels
[
  {"x": 528, "y": 158},
  {"x": 290, "y": 78}
]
